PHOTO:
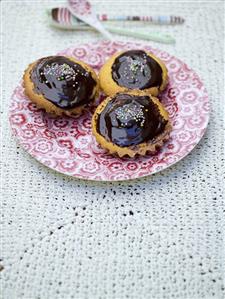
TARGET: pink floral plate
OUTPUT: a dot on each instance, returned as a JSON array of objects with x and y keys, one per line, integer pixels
[{"x": 66, "y": 144}]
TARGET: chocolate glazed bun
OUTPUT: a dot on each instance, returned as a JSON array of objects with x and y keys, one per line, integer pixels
[
  {"x": 61, "y": 85},
  {"x": 131, "y": 123},
  {"x": 130, "y": 120},
  {"x": 136, "y": 70},
  {"x": 133, "y": 70}
]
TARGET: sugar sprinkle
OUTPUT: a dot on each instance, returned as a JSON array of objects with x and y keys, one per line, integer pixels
[{"x": 130, "y": 112}]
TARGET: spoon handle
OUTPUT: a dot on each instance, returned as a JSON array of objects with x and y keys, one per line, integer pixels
[
  {"x": 102, "y": 29},
  {"x": 83, "y": 10},
  {"x": 153, "y": 36}
]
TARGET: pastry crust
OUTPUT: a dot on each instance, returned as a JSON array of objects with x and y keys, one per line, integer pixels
[
  {"x": 143, "y": 148},
  {"x": 110, "y": 87},
  {"x": 48, "y": 106}
]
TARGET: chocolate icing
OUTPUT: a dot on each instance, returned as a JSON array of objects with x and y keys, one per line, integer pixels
[
  {"x": 136, "y": 70},
  {"x": 129, "y": 120},
  {"x": 55, "y": 14},
  {"x": 63, "y": 82}
]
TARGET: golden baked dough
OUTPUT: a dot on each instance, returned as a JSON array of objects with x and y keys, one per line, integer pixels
[
  {"x": 110, "y": 87},
  {"x": 47, "y": 105},
  {"x": 150, "y": 146}
]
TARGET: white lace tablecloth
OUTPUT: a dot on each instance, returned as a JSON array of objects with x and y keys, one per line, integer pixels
[{"x": 157, "y": 237}]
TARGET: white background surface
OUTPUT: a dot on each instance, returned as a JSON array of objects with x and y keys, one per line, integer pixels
[{"x": 67, "y": 238}]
